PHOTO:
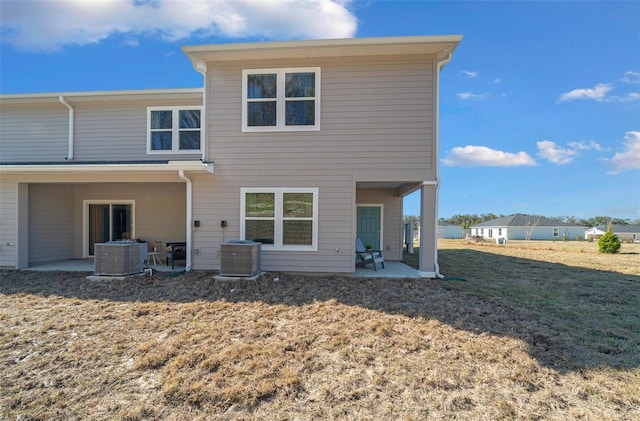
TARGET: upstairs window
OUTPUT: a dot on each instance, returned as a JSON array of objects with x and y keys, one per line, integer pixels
[
  {"x": 281, "y": 99},
  {"x": 173, "y": 129}
]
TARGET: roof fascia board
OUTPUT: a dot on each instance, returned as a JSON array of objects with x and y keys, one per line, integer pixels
[
  {"x": 171, "y": 166},
  {"x": 434, "y": 45},
  {"x": 103, "y": 95}
]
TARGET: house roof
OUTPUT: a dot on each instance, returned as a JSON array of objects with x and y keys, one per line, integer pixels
[
  {"x": 441, "y": 46},
  {"x": 523, "y": 220},
  {"x": 620, "y": 228},
  {"x": 194, "y": 94}
]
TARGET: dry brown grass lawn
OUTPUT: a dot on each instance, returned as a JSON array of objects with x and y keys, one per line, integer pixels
[{"x": 534, "y": 333}]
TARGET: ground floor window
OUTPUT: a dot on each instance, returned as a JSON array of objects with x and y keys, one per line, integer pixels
[{"x": 280, "y": 218}]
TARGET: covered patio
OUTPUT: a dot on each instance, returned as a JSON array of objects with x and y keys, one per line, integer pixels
[
  {"x": 87, "y": 265},
  {"x": 392, "y": 269}
]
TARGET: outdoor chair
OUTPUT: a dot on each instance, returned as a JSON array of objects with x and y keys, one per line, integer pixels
[
  {"x": 365, "y": 256},
  {"x": 176, "y": 251}
]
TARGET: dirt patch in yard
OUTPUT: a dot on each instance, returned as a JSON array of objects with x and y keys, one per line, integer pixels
[{"x": 516, "y": 341}]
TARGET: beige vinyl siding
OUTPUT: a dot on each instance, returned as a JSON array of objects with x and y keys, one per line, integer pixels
[
  {"x": 104, "y": 130},
  {"x": 118, "y": 131},
  {"x": 111, "y": 132},
  {"x": 376, "y": 123},
  {"x": 34, "y": 132},
  {"x": 218, "y": 198},
  {"x": 51, "y": 228},
  {"x": 373, "y": 114}
]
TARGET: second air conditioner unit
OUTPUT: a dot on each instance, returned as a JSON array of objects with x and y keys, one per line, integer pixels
[{"x": 240, "y": 258}]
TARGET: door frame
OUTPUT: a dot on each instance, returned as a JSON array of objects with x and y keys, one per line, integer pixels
[
  {"x": 85, "y": 220},
  {"x": 372, "y": 205}
]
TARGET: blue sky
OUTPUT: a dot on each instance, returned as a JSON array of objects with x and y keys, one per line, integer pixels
[{"x": 540, "y": 105}]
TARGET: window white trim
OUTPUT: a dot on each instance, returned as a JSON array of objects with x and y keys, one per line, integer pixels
[
  {"x": 175, "y": 130},
  {"x": 281, "y": 100},
  {"x": 85, "y": 220},
  {"x": 279, "y": 218}
]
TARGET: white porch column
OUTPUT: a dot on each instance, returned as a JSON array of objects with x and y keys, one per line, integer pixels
[
  {"x": 22, "y": 258},
  {"x": 428, "y": 235}
]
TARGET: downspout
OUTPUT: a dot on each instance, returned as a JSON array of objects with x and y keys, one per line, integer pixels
[
  {"x": 440, "y": 65},
  {"x": 189, "y": 217},
  {"x": 71, "y": 126},
  {"x": 201, "y": 67}
]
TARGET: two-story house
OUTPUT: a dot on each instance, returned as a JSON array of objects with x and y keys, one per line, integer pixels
[{"x": 301, "y": 145}]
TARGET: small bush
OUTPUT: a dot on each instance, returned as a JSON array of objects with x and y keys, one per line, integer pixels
[{"x": 609, "y": 243}]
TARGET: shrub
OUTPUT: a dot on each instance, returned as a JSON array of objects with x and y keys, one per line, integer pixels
[{"x": 609, "y": 243}]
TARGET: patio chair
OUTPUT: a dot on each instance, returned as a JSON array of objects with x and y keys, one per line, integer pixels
[
  {"x": 365, "y": 256},
  {"x": 175, "y": 251}
]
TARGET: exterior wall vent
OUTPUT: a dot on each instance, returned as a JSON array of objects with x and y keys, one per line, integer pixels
[{"x": 240, "y": 258}]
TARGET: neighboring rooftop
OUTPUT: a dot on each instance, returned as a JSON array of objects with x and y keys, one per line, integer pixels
[
  {"x": 620, "y": 228},
  {"x": 523, "y": 220}
]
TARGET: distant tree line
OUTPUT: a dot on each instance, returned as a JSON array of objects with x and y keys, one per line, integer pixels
[
  {"x": 468, "y": 220},
  {"x": 464, "y": 221},
  {"x": 595, "y": 221}
]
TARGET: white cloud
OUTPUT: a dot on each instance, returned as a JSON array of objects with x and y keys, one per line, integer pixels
[
  {"x": 469, "y": 73},
  {"x": 633, "y": 96},
  {"x": 552, "y": 153},
  {"x": 598, "y": 93},
  {"x": 471, "y": 96},
  {"x": 601, "y": 92},
  {"x": 497, "y": 81},
  {"x": 629, "y": 158},
  {"x": 631, "y": 77},
  {"x": 584, "y": 146},
  {"x": 482, "y": 156},
  {"x": 50, "y": 25}
]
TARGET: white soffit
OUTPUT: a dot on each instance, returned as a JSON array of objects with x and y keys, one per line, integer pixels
[{"x": 441, "y": 45}]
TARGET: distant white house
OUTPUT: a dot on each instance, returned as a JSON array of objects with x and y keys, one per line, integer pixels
[
  {"x": 624, "y": 232},
  {"x": 446, "y": 230},
  {"x": 594, "y": 233},
  {"x": 527, "y": 227}
]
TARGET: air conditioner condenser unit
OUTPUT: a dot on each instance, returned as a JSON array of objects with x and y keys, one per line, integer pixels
[{"x": 240, "y": 258}]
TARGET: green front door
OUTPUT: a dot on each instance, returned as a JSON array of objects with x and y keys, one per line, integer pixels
[{"x": 369, "y": 224}]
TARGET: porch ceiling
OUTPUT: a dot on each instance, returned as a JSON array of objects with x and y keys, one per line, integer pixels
[{"x": 402, "y": 188}]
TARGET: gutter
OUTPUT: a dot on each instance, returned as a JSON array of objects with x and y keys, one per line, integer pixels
[
  {"x": 189, "y": 218},
  {"x": 201, "y": 67},
  {"x": 71, "y": 125},
  {"x": 440, "y": 65}
]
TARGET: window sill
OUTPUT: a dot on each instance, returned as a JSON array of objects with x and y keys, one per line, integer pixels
[
  {"x": 268, "y": 247},
  {"x": 266, "y": 129},
  {"x": 189, "y": 152}
]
